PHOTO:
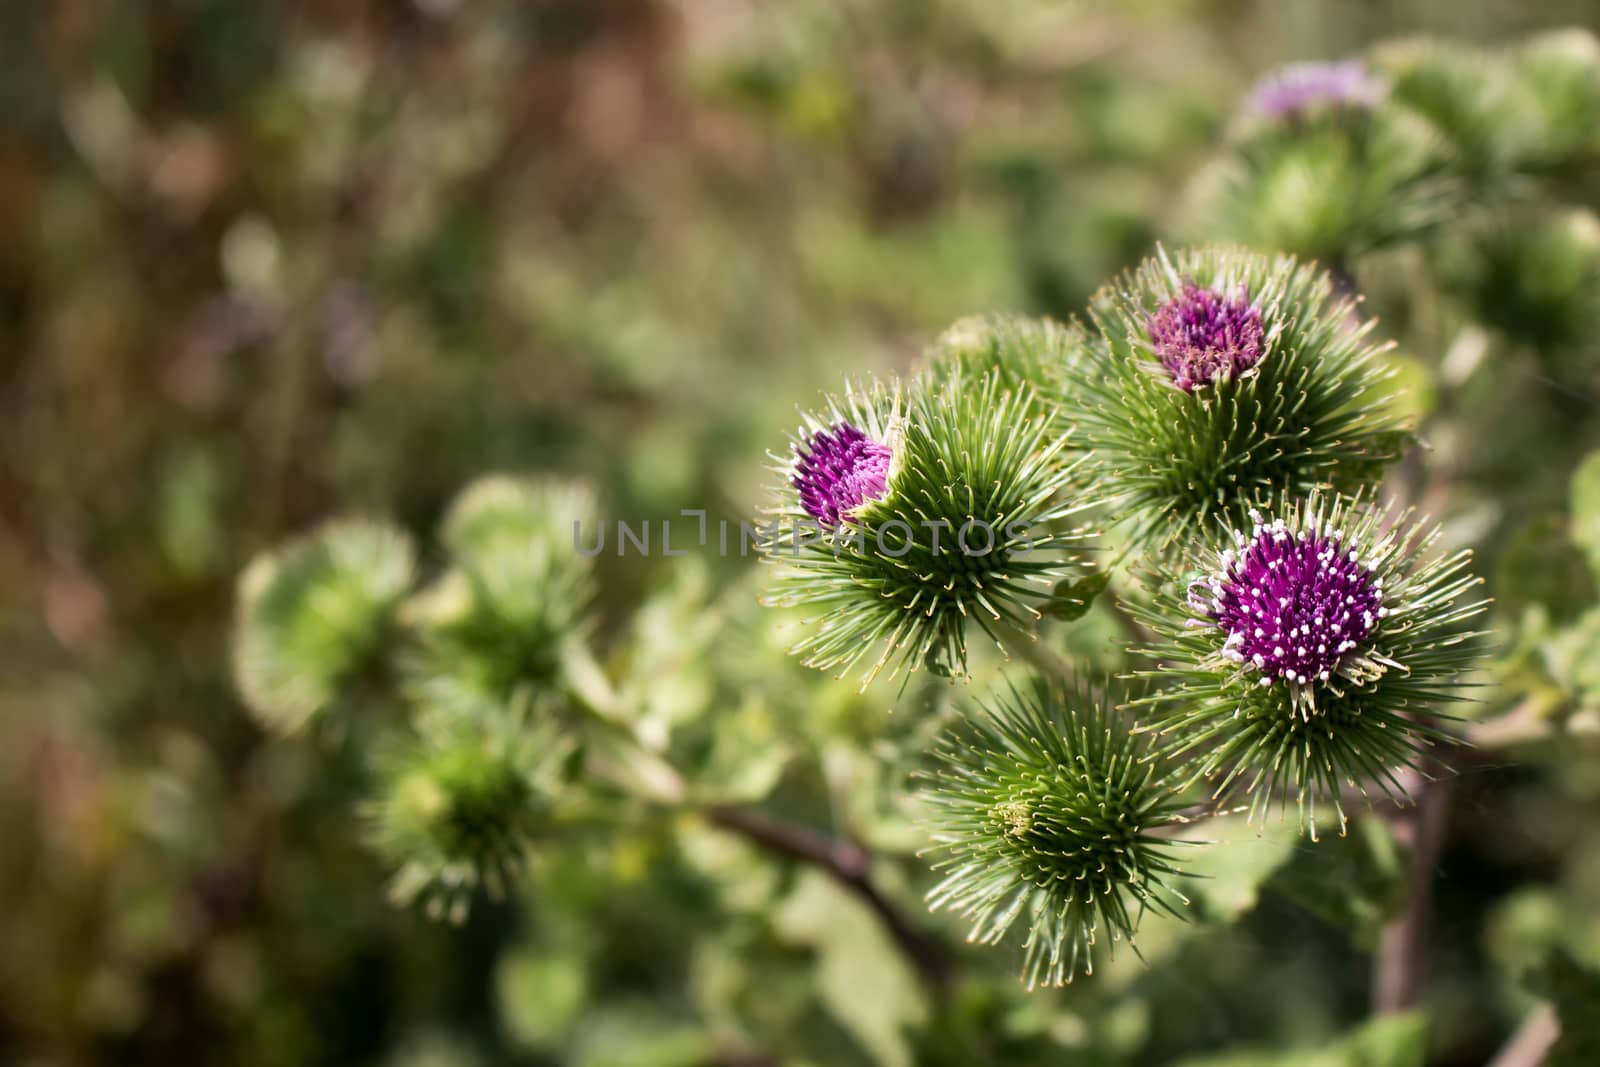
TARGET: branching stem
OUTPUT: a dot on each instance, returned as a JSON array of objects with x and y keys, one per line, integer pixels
[{"x": 850, "y": 865}]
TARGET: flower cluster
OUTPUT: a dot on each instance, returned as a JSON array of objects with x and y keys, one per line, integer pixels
[
  {"x": 460, "y": 802},
  {"x": 1262, "y": 384},
  {"x": 959, "y": 495},
  {"x": 312, "y": 616}
]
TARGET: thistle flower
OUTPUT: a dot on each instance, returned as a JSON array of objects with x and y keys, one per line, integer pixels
[
  {"x": 1047, "y": 810},
  {"x": 1298, "y": 88},
  {"x": 1259, "y": 384},
  {"x": 1326, "y": 177},
  {"x": 459, "y": 803},
  {"x": 904, "y": 518},
  {"x": 516, "y": 592},
  {"x": 1202, "y": 336},
  {"x": 310, "y": 618},
  {"x": 1310, "y": 653}
]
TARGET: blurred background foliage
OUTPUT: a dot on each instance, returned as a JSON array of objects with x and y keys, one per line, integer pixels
[{"x": 265, "y": 262}]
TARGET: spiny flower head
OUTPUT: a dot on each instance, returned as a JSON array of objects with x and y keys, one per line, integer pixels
[
  {"x": 1315, "y": 656},
  {"x": 1298, "y": 88},
  {"x": 1293, "y": 604},
  {"x": 1026, "y": 352},
  {"x": 495, "y": 621},
  {"x": 1265, "y": 384},
  {"x": 1047, "y": 810},
  {"x": 1201, "y": 336},
  {"x": 311, "y": 617},
  {"x": 1325, "y": 162},
  {"x": 459, "y": 803},
  {"x": 839, "y": 469},
  {"x": 968, "y": 526}
]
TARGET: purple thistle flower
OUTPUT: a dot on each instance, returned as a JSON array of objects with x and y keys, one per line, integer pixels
[
  {"x": 1291, "y": 91},
  {"x": 1295, "y": 605},
  {"x": 839, "y": 470},
  {"x": 1201, "y": 335}
]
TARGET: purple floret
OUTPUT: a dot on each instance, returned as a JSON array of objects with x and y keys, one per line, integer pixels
[
  {"x": 1293, "y": 90},
  {"x": 1200, "y": 335},
  {"x": 838, "y": 470},
  {"x": 1295, "y": 605}
]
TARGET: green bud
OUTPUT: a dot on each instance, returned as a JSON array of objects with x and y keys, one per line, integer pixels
[{"x": 1048, "y": 812}]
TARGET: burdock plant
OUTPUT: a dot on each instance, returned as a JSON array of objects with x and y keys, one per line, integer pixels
[
  {"x": 1227, "y": 411},
  {"x": 1222, "y": 375},
  {"x": 903, "y": 518},
  {"x": 1314, "y": 653}
]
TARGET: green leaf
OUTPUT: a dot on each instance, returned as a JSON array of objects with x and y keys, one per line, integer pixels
[
  {"x": 1356, "y": 881},
  {"x": 1071, "y": 600},
  {"x": 1227, "y": 873},
  {"x": 1570, "y": 659},
  {"x": 1586, "y": 510},
  {"x": 862, "y": 980},
  {"x": 1574, "y": 988},
  {"x": 540, "y": 996},
  {"x": 1388, "y": 1041}
]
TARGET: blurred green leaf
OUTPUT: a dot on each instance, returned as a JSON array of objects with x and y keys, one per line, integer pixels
[
  {"x": 1389, "y": 1041},
  {"x": 862, "y": 980},
  {"x": 1586, "y": 510},
  {"x": 1357, "y": 881},
  {"x": 1227, "y": 873},
  {"x": 1574, "y": 989},
  {"x": 540, "y": 996}
]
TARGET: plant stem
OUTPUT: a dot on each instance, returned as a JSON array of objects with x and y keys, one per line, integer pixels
[
  {"x": 1529, "y": 1046},
  {"x": 651, "y": 775},
  {"x": 850, "y": 865},
  {"x": 1527, "y": 721},
  {"x": 1403, "y": 944}
]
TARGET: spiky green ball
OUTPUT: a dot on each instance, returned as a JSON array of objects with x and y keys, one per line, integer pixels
[
  {"x": 1026, "y": 353},
  {"x": 973, "y": 526},
  {"x": 1495, "y": 112},
  {"x": 1047, "y": 811},
  {"x": 1561, "y": 72},
  {"x": 311, "y": 616},
  {"x": 517, "y": 589},
  {"x": 1534, "y": 274},
  {"x": 1382, "y": 618},
  {"x": 1312, "y": 411},
  {"x": 458, "y": 805},
  {"x": 1330, "y": 186}
]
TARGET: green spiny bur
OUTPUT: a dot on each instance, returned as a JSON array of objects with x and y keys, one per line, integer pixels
[
  {"x": 1310, "y": 652},
  {"x": 1304, "y": 415},
  {"x": 973, "y": 525},
  {"x": 1047, "y": 812}
]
